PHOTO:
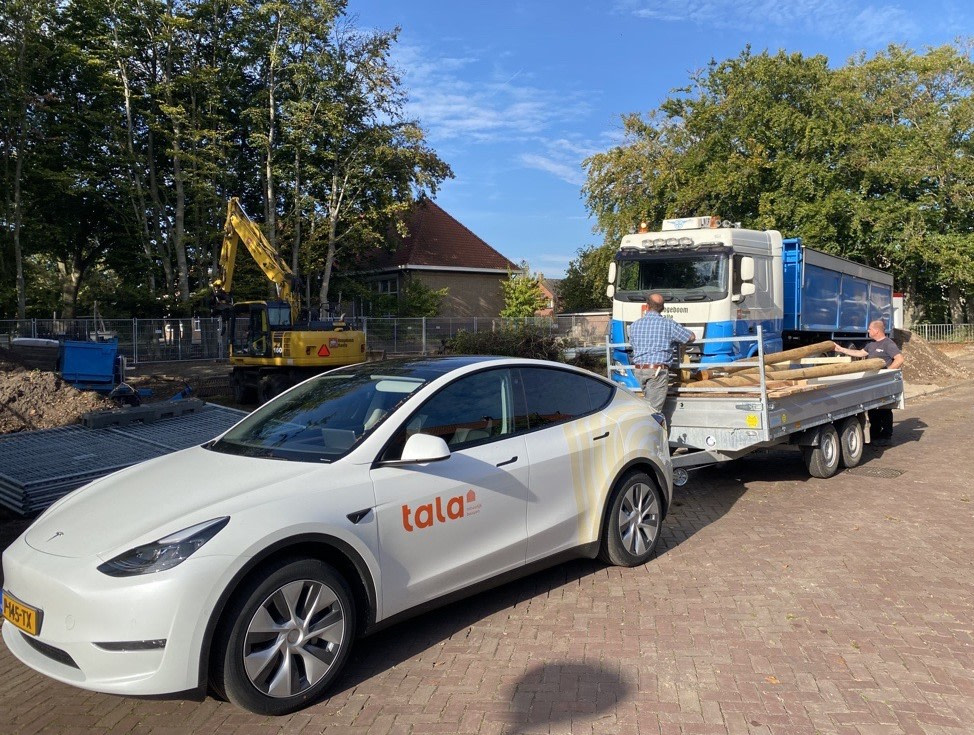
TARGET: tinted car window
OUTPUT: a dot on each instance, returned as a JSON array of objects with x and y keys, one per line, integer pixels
[
  {"x": 474, "y": 409},
  {"x": 554, "y": 396}
]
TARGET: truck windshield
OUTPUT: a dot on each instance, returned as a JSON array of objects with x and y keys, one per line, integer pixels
[{"x": 678, "y": 277}]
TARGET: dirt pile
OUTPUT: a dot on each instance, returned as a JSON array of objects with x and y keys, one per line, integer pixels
[
  {"x": 924, "y": 364},
  {"x": 34, "y": 399}
]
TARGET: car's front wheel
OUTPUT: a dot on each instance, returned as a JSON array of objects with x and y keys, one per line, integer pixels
[
  {"x": 284, "y": 638},
  {"x": 632, "y": 525}
]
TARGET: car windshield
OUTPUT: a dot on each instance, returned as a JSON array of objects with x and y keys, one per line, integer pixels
[
  {"x": 679, "y": 277},
  {"x": 322, "y": 419}
]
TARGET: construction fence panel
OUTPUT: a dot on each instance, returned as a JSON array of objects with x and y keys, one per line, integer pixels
[
  {"x": 163, "y": 340},
  {"x": 944, "y": 332}
]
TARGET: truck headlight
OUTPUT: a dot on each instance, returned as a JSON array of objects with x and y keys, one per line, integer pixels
[{"x": 165, "y": 553}]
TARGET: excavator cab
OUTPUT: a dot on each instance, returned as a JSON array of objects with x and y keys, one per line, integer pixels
[{"x": 252, "y": 324}]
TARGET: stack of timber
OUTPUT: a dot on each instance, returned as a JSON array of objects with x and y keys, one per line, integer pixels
[{"x": 782, "y": 375}]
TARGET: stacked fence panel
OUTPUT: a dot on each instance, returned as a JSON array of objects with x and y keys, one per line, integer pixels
[{"x": 39, "y": 467}]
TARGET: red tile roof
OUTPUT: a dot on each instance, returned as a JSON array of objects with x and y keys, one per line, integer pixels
[{"x": 436, "y": 239}]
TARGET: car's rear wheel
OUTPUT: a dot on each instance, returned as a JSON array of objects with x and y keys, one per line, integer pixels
[
  {"x": 284, "y": 638},
  {"x": 631, "y": 528}
]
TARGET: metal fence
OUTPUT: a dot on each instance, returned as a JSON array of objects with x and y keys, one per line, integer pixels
[
  {"x": 159, "y": 340},
  {"x": 139, "y": 340},
  {"x": 944, "y": 332}
]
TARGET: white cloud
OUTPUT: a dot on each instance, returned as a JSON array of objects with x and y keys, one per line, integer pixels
[
  {"x": 867, "y": 23},
  {"x": 567, "y": 172},
  {"x": 479, "y": 100}
]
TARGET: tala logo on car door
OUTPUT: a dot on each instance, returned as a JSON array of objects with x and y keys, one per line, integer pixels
[{"x": 455, "y": 508}]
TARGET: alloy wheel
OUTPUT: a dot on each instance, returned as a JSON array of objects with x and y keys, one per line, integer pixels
[
  {"x": 639, "y": 518},
  {"x": 293, "y": 639}
]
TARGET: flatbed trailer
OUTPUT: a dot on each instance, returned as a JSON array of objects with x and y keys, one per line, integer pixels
[{"x": 826, "y": 417}]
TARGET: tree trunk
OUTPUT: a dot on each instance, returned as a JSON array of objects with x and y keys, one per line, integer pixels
[
  {"x": 18, "y": 251},
  {"x": 18, "y": 173},
  {"x": 179, "y": 233},
  {"x": 329, "y": 263},
  {"x": 70, "y": 285},
  {"x": 159, "y": 213},
  {"x": 955, "y": 304},
  {"x": 179, "y": 228},
  {"x": 271, "y": 202},
  {"x": 296, "y": 247},
  {"x": 141, "y": 208}
]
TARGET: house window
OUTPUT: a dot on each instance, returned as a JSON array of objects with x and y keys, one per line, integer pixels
[{"x": 387, "y": 286}]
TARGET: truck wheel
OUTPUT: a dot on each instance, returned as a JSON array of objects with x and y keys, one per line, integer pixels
[
  {"x": 631, "y": 528},
  {"x": 284, "y": 638},
  {"x": 851, "y": 440},
  {"x": 823, "y": 460}
]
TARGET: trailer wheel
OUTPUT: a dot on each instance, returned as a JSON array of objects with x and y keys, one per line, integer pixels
[
  {"x": 851, "y": 440},
  {"x": 823, "y": 460}
]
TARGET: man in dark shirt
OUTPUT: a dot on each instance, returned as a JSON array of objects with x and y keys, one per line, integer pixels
[{"x": 880, "y": 419}]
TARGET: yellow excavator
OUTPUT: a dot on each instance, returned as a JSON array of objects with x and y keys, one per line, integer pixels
[{"x": 270, "y": 349}]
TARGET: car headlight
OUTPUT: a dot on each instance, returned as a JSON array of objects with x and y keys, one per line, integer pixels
[{"x": 165, "y": 553}]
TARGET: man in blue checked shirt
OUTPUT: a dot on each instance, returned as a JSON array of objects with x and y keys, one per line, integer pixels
[{"x": 652, "y": 339}]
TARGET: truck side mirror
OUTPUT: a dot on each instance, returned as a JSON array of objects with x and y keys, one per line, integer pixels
[
  {"x": 610, "y": 290},
  {"x": 747, "y": 270},
  {"x": 612, "y": 273},
  {"x": 747, "y": 289}
]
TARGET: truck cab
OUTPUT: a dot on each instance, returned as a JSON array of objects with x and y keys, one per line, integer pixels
[
  {"x": 718, "y": 281},
  {"x": 722, "y": 281}
]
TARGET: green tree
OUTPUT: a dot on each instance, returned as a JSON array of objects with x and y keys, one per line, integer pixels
[
  {"x": 419, "y": 300},
  {"x": 522, "y": 295},
  {"x": 583, "y": 287}
]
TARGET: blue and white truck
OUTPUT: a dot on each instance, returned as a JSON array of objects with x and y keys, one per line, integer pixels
[{"x": 720, "y": 280}]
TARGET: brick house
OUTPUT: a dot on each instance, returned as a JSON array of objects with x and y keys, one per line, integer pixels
[
  {"x": 549, "y": 287},
  {"x": 439, "y": 252}
]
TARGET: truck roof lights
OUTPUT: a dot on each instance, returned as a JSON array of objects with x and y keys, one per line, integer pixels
[{"x": 691, "y": 223}]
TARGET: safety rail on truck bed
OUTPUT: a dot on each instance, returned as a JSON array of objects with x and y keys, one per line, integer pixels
[
  {"x": 708, "y": 425},
  {"x": 762, "y": 368}
]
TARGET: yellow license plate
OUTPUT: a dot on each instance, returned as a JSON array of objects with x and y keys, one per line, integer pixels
[{"x": 25, "y": 617}]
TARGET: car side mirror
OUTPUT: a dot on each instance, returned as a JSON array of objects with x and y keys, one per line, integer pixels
[{"x": 422, "y": 448}]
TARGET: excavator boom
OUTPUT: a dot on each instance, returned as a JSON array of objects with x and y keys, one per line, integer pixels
[
  {"x": 240, "y": 228},
  {"x": 269, "y": 349}
]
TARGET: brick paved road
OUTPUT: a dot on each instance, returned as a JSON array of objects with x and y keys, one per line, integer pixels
[{"x": 778, "y": 604}]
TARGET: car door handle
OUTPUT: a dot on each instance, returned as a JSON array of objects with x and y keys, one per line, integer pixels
[
  {"x": 512, "y": 460},
  {"x": 601, "y": 436},
  {"x": 359, "y": 515}
]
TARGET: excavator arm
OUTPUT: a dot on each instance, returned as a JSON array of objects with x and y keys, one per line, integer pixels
[{"x": 240, "y": 228}]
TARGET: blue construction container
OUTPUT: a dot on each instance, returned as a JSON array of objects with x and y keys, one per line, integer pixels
[
  {"x": 831, "y": 296},
  {"x": 90, "y": 365}
]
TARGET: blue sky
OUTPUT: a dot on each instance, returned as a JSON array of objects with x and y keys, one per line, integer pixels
[{"x": 515, "y": 95}]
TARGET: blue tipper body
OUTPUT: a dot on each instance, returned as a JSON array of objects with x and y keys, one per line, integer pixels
[{"x": 831, "y": 295}]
